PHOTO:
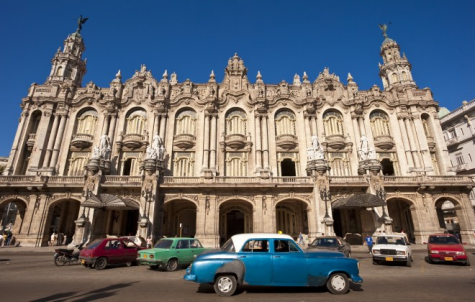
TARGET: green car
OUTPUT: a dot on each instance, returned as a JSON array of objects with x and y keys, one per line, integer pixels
[{"x": 171, "y": 252}]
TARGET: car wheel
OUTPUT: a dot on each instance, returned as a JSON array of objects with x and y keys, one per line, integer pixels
[
  {"x": 375, "y": 262},
  {"x": 172, "y": 265},
  {"x": 101, "y": 263},
  {"x": 412, "y": 260},
  {"x": 338, "y": 284},
  {"x": 408, "y": 262},
  {"x": 59, "y": 260},
  {"x": 225, "y": 285}
]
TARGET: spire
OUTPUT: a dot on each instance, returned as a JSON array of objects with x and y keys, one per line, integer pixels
[
  {"x": 235, "y": 74},
  {"x": 67, "y": 65},
  {"x": 212, "y": 77}
]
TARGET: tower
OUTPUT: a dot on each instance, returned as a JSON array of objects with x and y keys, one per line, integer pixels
[
  {"x": 67, "y": 65},
  {"x": 396, "y": 70}
]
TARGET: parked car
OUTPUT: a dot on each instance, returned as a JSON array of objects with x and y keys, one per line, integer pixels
[
  {"x": 171, "y": 253},
  {"x": 333, "y": 243},
  {"x": 271, "y": 260},
  {"x": 392, "y": 248},
  {"x": 446, "y": 248},
  {"x": 140, "y": 241},
  {"x": 102, "y": 252}
]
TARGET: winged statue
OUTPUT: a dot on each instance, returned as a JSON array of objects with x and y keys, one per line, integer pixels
[{"x": 81, "y": 21}]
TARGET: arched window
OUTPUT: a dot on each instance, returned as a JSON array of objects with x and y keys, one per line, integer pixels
[
  {"x": 333, "y": 123},
  {"x": 184, "y": 164},
  {"x": 236, "y": 122},
  {"x": 86, "y": 122},
  {"x": 185, "y": 122},
  {"x": 339, "y": 163},
  {"x": 393, "y": 78},
  {"x": 131, "y": 163},
  {"x": 285, "y": 123},
  {"x": 404, "y": 76},
  {"x": 236, "y": 164},
  {"x": 59, "y": 71},
  {"x": 136, "y": 122},
  {"x": 425, "y": 125},
  {"x": 77, "y": 162},
  {"x": 379, "y": 123}
]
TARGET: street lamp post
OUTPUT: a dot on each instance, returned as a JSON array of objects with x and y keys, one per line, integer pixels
[
  {"x": 148, "y": 196},
  {"x": 81, "y": 222},
  {"x": 326, "y": 196},
  {"x": 381, "y": 193}
]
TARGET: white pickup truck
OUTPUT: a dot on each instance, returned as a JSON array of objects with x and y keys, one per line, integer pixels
[{"x": 392, "y": 248}]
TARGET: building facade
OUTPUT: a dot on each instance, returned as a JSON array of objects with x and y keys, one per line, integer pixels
[{"x": 159, "y": 157}]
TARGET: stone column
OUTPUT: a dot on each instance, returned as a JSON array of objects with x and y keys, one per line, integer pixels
[
  {"x": 113, "y": 123},
  {"x": 163, "y": 119},
  {"x": 258, "y": 144},
  {"x": 52, "y": 137},
  {"x": 59, "y": 140},
  {"x": 206, "y": 143},
  {"x": 407, "y": 148},
  {"x": 423, "y": 146},
  {"x": 105, "y": 126},
  {"x": 214, "y": 120},
  {"x": 412, "y": 143},
  {"x": 265, "y": 143},
  {"x": 156, "y": 125},
  {"x": 19, "y": 138},
  {"x": 40, "y": 140}
]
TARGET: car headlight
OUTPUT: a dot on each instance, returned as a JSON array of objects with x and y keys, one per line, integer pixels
[
  {"x": 433, "y": 252},
  {"x": 459, "y": 253},
  {"x": 400, "y": 252},
  {"x": 375, "y": 251}
]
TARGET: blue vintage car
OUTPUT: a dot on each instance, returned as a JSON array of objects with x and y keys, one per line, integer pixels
[{"x": 272, "y": 260}]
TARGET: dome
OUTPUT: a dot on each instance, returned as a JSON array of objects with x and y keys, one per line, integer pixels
[
  {"x": 388, "y": 40},
  {"x": 443, "y": 112}
]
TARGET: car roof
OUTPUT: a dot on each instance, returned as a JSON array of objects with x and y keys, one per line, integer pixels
[
  {"x": 390, "y": 235},
  {"x": 442, "y": 234},
  {"x": 240, "y": 239},
  {"x": 177, "y": 238}
]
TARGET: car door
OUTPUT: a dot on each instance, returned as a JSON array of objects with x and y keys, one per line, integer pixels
[
  {"x": 114, "y": 251},
  {"x": 183, "y": 251},
  {"x": 257, "y": 261},
  {"x": 289, "y": 264},
  {"x": 195, "y": 249},
  {"x": 130, "y": 251}
]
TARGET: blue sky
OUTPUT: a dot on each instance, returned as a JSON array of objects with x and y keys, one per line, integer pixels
[{"x": 277, "y": 38}]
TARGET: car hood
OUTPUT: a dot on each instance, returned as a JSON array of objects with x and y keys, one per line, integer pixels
[
  {"x": 446, "y": 247},
  {"x": 328, "y": 248},
  {"x": 390, "y": 246}
]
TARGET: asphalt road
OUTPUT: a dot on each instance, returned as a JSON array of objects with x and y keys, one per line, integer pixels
[{"x": 32, "y": 276}]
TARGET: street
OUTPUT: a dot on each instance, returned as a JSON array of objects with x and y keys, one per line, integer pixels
[{"x": 32, "y": 276}]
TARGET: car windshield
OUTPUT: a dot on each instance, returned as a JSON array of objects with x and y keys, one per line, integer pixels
[
  {"x": 94, "y": 244},
  {"x": 228, "y": 246},
  {"x": 390, "y": 240},
  {"x": 325, "y": 242},
  {"x": 163, "y": 244},
  {"x": 443, "y": 240}
]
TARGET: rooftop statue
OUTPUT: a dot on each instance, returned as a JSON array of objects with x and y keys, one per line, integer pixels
[
  {"x": 81, "y": 21},
  {"x": 384, "y": 28}
]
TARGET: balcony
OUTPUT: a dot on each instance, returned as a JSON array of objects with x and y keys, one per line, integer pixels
[
  {"x": 133, "y": 141},
  {"x": 82, "y": 140},
  {"x": 384, "y": 142},
  {"x": 335, "y": 141},
  {"x": 184, "y": 141},
  {"x": 452, "y": 142},
  {"x": 235, "y": 141},
  {"x": 458, "y": 168},
  {"x": 31, "y": 141},
  {"x": 286, "y": 141}
]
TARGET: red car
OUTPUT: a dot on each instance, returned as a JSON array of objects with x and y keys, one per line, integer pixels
[
  {"x": 102, "y": 252},
  {"x": 446, "y": 248}
]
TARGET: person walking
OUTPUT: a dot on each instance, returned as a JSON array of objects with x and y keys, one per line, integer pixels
[
  {"x": 301, "y": 238},
  {"x": 369, "y": 242},
  {"x": 149, "y": 242}
]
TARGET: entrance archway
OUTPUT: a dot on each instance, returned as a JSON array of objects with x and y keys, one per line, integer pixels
[
  {"x": 179, "y": 218},
  {"x": 400, "y": 210},
  {"x": 60, "y": 220},
  {"x": 291, "y": 217},
  {"x": 12, "y": 214},
  {"x": 235, "y": 217},
  {"x": 447, "y": 216}
]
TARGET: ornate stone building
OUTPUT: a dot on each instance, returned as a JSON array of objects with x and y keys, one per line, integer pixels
[{"x": 164, "y": 158}]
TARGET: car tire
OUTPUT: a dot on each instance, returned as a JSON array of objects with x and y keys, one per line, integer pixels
[
  {"x": 408, "y": 262},
  {"x": 338, "y": 284},
  {"x": 375, "y": 262},
  {"x": 225, "y": 285},
  {"x": 172, "y": 265},
  {"x": 101, "y": 263}
]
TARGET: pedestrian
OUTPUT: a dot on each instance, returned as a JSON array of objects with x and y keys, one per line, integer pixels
[
  {"x": 149, "y": 242},
  {"x": 301, "y": 238},
  {"x": 9, "y": 238},
  {"x": 4, "y": 238},
  {"x": 369, "y": 242},
  {"x": 53, "y": 239}
]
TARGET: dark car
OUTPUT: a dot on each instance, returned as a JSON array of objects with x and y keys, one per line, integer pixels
[
  {"x": 333, "y": 243},
  {"x": 446, "y": 248},
  {"x": 102, "y": 252}
]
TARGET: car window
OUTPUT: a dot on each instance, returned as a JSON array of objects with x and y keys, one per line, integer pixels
[
  {"x": 281, "y": 246},
  {"x": 443, "y": 240},
  {"x": 195, "y": 244},
  {"x": 390, "y": 240},
  {"x": 94, "y": 244},
  {"x": 113, "y": 244},
  {"x": 129, "y": 244},
  {"x": 163, "y": 244},
  {"x": 325, "y": 242},
  {"x": 183, "y": 244},
  {"x": 228, "y": 246},
  {"x": 256, "y": 246}
]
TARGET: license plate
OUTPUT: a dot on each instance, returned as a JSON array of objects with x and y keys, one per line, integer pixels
[
  {"x": 448, "y": 259},
  {"x": 83, "y": 261},
  {"x": 389, "y": 259},
  {"x": 145, "y": 256}
]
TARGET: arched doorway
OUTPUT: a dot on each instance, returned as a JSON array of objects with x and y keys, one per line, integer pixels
[
  {"x": 287, "y": 167},
  {"x": 447, "y": 216},
  {"x": 291, "y": 217},
  {"x": 12, "y": 214},
  {"x": 60, "y": 220},
  {"x": 400, "y": 210},
  {"x": 387, "y": 167},
  {"x": 235, "y": 217},
  {"x": 179, "y": 218}
]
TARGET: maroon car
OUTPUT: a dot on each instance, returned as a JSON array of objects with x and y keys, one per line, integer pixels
[
  {"x": 102, "y": 252},
  {"x": 446, "y": 248}
]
